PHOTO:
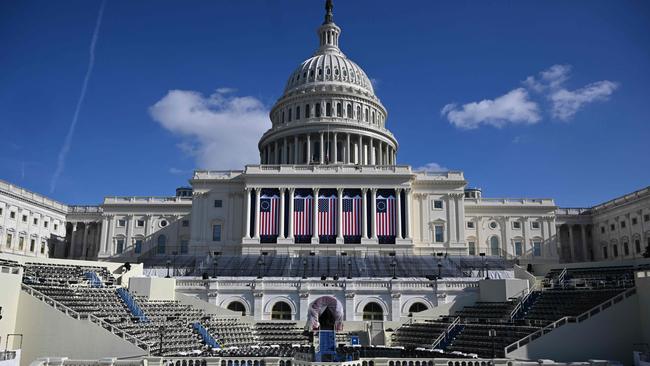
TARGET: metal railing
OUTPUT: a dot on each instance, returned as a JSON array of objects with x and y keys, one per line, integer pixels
[
  {"x": 92, "y": 318},
  {"x": 444, "y": 334},
  {"x": 526, "y": 295},
  {"x": 569, "y": 319}
]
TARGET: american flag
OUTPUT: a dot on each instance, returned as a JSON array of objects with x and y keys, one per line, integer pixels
[
  {"x": 302, "y": 215},
  {"x": 269, "y": 209},
  {"x": 386, "y": 216},
  {"x": 327, "y": 215},
  {"x": 352, "y": 212}
]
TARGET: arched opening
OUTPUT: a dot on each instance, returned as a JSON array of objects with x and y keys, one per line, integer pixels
[
  {"x": 326, "y": 320},
  {"x": 372, "y": 311},
  {"x": 494, "y": 246},
  {"x": 281, "y": 311},
  {"x": 237, "y": 306},
  {"x": 417, "y": 307}
]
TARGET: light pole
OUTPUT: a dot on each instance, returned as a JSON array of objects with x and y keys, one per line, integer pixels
[
  {"x": 168, "y": 263},
  {"x": 482, "y": 255},
  {"x": 440, "y": 264},
  {"x": 304, "y": 268},
  {"x": 349, "y": 268},
  {"x": 215, "y": 258},
  {"x": 175, "y": 254}
]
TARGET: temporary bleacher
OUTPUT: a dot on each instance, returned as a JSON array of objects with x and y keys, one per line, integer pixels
[
  {"x": 280, "y": 333},
  {"x": 230, "y": 332}
]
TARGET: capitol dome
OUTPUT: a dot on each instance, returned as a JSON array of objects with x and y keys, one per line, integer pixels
[{"x": 328, "y": 113}]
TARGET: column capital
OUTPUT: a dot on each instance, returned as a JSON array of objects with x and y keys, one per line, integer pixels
[
  {"x": 292, "y": 189},
  {"x": 339, "y": 190},
  {"x": 364, "y": 190},
  {"x": 373, "y": 190},
  {"x": 258, "y": 189}
]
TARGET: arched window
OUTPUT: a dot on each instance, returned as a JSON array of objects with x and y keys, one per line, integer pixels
[
  {"x": 372, "y": 311},
  {"x": 162, "y": 243},
  {"x": 307, "y": 111},
  {"x": 349, "y": 111},
  {"x": 365, "y": 115},
  {"x": 494, "y": 246},
  {"x": 417, "y": 307},
  {"x": 281, "y": 311},
  {"x": 290, "y": 115},
  {"x": 318, "y": 110},
  {"x": 282, "y": 116},
  {"x": 328, "y": 109},
  {"x": 238, "y": 307},
  {"x": 298, "y": 112},
  {"x": 339, "y": 110},
  {"x": 359, "y": 113}
]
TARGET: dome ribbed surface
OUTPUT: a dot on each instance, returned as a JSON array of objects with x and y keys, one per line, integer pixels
[{"x": 326, "y": 68}]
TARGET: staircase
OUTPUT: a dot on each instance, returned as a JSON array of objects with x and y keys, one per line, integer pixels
[
  {"x": 205, "y": 335},
  {"x": 94, "y": 280},
  {"x": 527, "y": 302},
  {"x": 447, "y": 337},
  {"x": 131, "y": 304}
]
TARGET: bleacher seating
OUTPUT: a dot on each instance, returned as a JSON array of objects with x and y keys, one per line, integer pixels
[
  {"x": 603, "y": 277},
  {"x": 419, "y": 334},
  {"x": 280, "y": 333},
  {"x": 488, "y": 310},
  {"x": 230, "y": 332},
  {"x": 553, "y": 304},
  {"x": 474, "y": 338}
]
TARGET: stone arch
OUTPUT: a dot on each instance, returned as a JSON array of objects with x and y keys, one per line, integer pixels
[
  {"x": 410, "y": 302},
  {"x": 227, "y": 301},
  {"x": 362, "y": 304},
  {"x": 271, "y": 303}
]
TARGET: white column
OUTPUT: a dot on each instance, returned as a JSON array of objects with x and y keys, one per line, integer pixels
[
  {"x": 258, "y": 192},
  {"x": 282, "y": 205},
  {"x": 407, "y": 212},
  {"x": 247, "y": 219},
  {"x": 322, "y": 148},
  {"x": 291, "y": 223},
  {"x": 360, "y": 153},
  {"x": 285, "y": 152},
  {"x": 339, "y": 216},
  {"x": 371, "y": 148},
  {"x": 314, "y": 238},
  {"x": 347, "y": 150},
  {"x": 276, "y": 155},
  {"x": 335, "y": 154},
  {"x": 308, "y": 150},
  {"x": 451, "y": 207},
  {"x": 364, "y": 211},
  {"x": 109, "y": 238},
  {"x": 398, "y": 192},
  {"x": 373, "y": 213},
  {"x": 72, "y": 240},
  {"x": 84, "y": 244}
]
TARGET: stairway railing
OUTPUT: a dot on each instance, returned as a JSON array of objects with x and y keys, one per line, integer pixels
[
  {"x": 207, "y": 338},
  {"x": 446, "y": 333},
  {"x": 522, "y": 302},
  {"x": 570, "y": 319},
  {"x": 134, "y": 308},
  {"x": 560, "y": 278},
  {"x": 92, "y": 318}
]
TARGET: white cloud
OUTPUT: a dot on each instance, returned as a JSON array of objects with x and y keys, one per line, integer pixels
[
  {"x": 566, "y": 103},
  {"x": 431, "y": 167},
  {"x": 515, "y": 107},
  {"x": 221, "y": 131}
]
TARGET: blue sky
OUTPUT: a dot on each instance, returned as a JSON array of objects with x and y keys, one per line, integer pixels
[{"x": 578, "y": 132}]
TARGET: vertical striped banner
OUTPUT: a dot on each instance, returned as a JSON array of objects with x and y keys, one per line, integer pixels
[
  {"x": 386, "y": 216},
  {"x": 327, "y": 215},
  {"x": 269, "y": 215},
  {"x": 352, "y": 212},
  {"x": 302, "y": 215}
]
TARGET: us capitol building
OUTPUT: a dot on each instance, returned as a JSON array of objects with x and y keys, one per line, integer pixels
[{"x": 328, "y": 184}]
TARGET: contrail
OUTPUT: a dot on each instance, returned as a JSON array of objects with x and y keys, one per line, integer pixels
[{"x": 68, "y": 138}]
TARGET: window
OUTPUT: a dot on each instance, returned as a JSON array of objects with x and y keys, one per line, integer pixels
[
  {"x": 372, "y": 311},
  {"x": 137, "y": 246},
  {"x": 349, "y": 111},
  {"x": 637, "y": 245},
  {"x": 635, "y": 221},
  {"x": 646, "y": 218},
  {"x": 32, "y": 245},
  {"x": 290, "y": 110},
  {"x": 518, "y": 248},
  {"x": 21, "y": 243},
  {"x": 602, "y": 230},
  {"x": 472, "y": 248},
  {"x": 615, "y": 250},
  {"x": 216, "y": 232},
  {"x": 238, "y": 307},
  {"x": 298, "y": 112},
  {"x": 43, "y": 248},
  {"x": 12, "y": 215},
  {"x": 318, "y": 110},
  {"x": 45, "y": 224},
  {"x": 24, "y": 218},
  {"x": 623, "y": 224},
  {"x": 184, "y": 246},
  {"x": 185, "y": 223},
  {"x": 119, "y": 248},
  {"x": 437, "y": 204},
  {"x": 339, "y": 110},
  {"x": 359, "y": 113},
  {"x": 218, "y": 203},
  {"x": 516, "y": 225},
  {"x": 10, "y": 238},
  {"x": 494, "y": 246},
  {"x": 328, "y": 109},
  {"x": 493, "y": 225},
  {"x": 281, "y": 311},
  {"x": 163, "y": 223},
  {"x": 56, "y": 227},
  {"x": 417, "y": 307},
  {"x": 537, "y": 249},
  {"x": 470, "y": 224},
  {"x": 35, "y": 221},
  {"x": 121, "y": 223},
  {"x": 626, "y": 249},
  {"x": 535, "y": 225},
  {"x": 307, "y": 110},
  {"x": 162, "y": 243},
  {"x": 139, "y": 223},
  {"x": 439, "y": 233},
  {"x": 605, "y": 252},
  {"x": 612, "y": 227},
  {"x": 0, "y": 211}
]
